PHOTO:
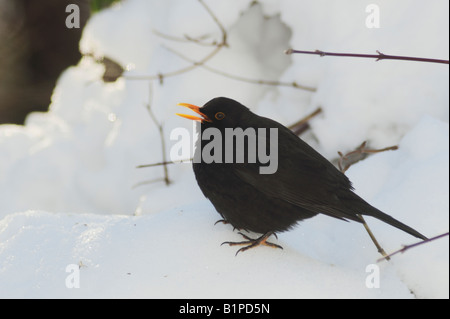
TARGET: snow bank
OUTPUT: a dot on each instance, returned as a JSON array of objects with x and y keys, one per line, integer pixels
[{"x": 72, "y": 202}]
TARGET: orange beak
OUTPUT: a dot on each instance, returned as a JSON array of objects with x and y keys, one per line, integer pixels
[{"x": 196, "y": 109}]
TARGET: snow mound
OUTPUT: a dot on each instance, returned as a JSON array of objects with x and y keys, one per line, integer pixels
[{"x": 79, "y": 220}]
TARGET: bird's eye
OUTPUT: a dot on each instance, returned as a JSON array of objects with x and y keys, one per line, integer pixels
[{"x": 219, "y": 116}]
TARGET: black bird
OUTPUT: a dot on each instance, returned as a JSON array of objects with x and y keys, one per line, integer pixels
[{"x": 304, "y": 184}]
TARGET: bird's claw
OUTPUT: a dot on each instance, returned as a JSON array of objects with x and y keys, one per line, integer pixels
[
  {"x": 252, "y": 243},
  {"x": 223, "y": 221}
]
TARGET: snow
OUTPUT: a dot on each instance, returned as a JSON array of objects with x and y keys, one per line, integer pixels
[{"x": 71, "y": 195}]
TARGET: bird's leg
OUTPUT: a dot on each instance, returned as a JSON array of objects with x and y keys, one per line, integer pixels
[{"x": 251, "y": 243}]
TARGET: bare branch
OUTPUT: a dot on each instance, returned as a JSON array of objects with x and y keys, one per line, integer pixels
[
  {"x": 347, "y": 160},
  {"x": 219, "y": 24},
  {"x": 244, "y": 79},
  {"x": 217, "y": 48},
  {"x": 165, "y": 163},
  {"x": 372, "y": 236},
  {"x": 302, "y": 125},
  {"x": 161, "y": 76},
  {"x": 160, "y": 179},
  {"x": 187, "y": 38},
  {"x": 359, "y": 150},
  {"x": 406, "y": 247},
  {"x": 202, "y": 62},
  {"x": 161, "y": 135},
  {"x": 298, "y": 128},
  {"x": 378, "y": 57}
]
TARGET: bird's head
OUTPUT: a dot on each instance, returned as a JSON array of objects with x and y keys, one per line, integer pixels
[{"x": 220, "y": 112}]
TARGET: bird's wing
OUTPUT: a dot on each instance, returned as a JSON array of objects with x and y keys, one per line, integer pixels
[
  {"x": 306, "y": 179},
  {"x": 303, "y": 178}
]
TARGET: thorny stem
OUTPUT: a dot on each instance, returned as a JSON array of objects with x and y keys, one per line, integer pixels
[
  {"x": 361, "y": 149},
  {"x": 244, "y": 79},
  {"x": 378, "y": 57},
  {"x": 406, "y": 247}
]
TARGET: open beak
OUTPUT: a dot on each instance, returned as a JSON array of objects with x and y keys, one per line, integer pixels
[{"x": 196, "y": 109}]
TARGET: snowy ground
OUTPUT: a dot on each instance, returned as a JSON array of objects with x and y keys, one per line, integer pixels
[{"x": 75, "y": 210}]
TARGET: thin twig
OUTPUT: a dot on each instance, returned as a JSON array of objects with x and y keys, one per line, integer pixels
[
  {"x": 187, "y": 38},
  {"x": 165, "y": 163},
  {"x": 378, "y": 57},
  {"x": 160, "y": 179},
  {"x": 161, "y": 134},
  {"x": 372, "y": 236},
  {"x": 406, "y": 247},
  {"x": 358, "y": 154},
  {"x": 216, "y": 50},
  {"x": 263, "y": 82},
  {"x": 161, "y": 76},
  {"x": 241, "y": 78},
  {"x": 360, "y": 151},
  {"x": 216, "y": 20},
  {"x": 302, "y": 125},
  {"x": 369, "y": 231},
  {"x": 202, "y": 62}
]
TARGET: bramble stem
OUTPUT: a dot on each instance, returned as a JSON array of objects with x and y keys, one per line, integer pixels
[{"x": 379, "y": 56}]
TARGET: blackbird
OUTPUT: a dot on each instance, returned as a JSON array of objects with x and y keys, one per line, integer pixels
[{"x": 303, "y": 185}]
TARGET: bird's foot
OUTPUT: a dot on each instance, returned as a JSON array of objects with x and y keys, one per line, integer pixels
[{"x": 252, "y": 243}]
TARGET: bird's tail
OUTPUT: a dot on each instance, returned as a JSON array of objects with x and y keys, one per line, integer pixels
[{"x": 374, "y": 212}]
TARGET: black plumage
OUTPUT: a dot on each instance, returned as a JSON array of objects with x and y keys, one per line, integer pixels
[{"x": 305, "y": 183}]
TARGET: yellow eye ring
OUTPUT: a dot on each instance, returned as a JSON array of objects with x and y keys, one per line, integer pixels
[{"x": 219, "y": 116}]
